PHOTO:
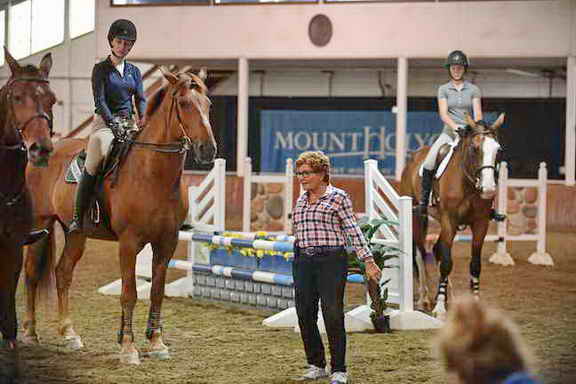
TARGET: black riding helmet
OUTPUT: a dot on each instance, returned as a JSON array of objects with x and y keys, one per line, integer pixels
[
  {"x": 122, "y": 29},
  {"x": 457, "y": 58}
]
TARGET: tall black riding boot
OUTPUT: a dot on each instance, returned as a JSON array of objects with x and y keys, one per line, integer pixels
[
  {"x": 83, "y": 198},
  {"x": 427, "y": 179}
]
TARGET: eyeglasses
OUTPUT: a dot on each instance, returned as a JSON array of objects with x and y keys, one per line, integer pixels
[{"x": 305, "y": 173}]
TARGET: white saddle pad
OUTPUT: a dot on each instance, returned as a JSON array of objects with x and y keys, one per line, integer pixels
[{"x": 444, "y": 164}]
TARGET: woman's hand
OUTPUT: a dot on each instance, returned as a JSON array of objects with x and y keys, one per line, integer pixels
[{"x": 373, "y": 272}]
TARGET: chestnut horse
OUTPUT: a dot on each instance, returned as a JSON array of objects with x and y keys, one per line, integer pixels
[
  {"x": 465, "y": 193},
  {"x": 147, "y": 204},
  {"x": 25, "y": 132}
]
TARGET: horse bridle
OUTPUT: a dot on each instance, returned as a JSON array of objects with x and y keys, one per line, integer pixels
[
  {"x": 474, "y": 178},
  {"x": 6, "y": 200},
  {"x": 22, "y": 126},
  {"x": 181, "y": 147}
]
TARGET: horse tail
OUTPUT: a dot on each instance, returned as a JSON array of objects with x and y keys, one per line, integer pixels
[{"x": 41, "y": 262}]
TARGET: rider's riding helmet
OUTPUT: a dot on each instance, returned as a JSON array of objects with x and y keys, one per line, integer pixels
[
  {"x": 457, "y": 58},
  {"x": 122, "y": 29}
]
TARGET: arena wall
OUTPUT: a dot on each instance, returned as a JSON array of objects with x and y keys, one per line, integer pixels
[
  {"x": 561, "y": 201},
  {"x": 369, "y": 30}
]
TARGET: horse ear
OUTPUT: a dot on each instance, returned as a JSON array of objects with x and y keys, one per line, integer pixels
[
  {"x": 499, "y": 121},
  {"x": 203, "y": 74},
  {"x": 172, "y": 79},
  {"x": 46, "y": 65},
  {"x": 469, "y": 120},
  {"x": 14, "y": 66}
]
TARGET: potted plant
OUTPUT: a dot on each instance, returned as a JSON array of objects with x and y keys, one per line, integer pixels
[{"x": 378, "y": 292}]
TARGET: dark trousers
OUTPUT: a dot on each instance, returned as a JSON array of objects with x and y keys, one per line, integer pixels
[{"x": 321, "y": 276}]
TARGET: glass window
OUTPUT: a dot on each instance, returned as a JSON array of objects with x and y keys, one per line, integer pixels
[
  {"x": 2, "y": 33},
  {"x": 47, "y": 24},
  {"x": 19, "y": 24},
  {"x": 81, "y": 17}
]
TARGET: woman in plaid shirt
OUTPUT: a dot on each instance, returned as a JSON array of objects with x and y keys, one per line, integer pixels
[{"x": 324, "y": 223}]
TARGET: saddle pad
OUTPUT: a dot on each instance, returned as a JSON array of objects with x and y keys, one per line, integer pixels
[
  {"x": 444, "y": 164},
  {"x": 75, "y": 169}
]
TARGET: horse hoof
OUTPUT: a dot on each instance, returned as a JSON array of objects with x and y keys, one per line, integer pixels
[
  {"x": 74, "y": 342},
  {"x": 30, "y": 339},
  {"x": 129, "y": 358},
  {"x": 162, "y": 354}
]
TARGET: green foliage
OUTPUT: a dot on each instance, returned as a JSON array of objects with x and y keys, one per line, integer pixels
[{"x": 382, "y": 253}]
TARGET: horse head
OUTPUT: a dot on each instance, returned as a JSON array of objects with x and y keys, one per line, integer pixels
[
  {"x": 484, "y": 147},
  {"x": 26, "y": 103},
  {"x": 189, "y": 101}
]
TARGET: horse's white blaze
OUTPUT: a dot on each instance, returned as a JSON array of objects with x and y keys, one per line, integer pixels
[{"x": 490, "y": 148}]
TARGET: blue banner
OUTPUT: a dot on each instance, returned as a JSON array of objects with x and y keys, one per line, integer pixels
[{"x": 347, "y": 137}]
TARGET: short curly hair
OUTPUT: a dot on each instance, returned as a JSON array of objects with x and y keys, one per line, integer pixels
[{"x": 317, "y": 160}]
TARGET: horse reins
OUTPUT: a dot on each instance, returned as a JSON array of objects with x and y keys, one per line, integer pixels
[
  {"x": 181, "y": 147},
  {"x": 474, "y": 178}
]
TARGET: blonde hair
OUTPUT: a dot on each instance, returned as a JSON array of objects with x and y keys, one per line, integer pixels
[
  {"x": 480, "y": 344},
  {"x": 317, "y": 160}
]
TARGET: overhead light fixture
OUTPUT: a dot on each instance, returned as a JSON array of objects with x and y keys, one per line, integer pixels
[{"x": 521, "y": 72}]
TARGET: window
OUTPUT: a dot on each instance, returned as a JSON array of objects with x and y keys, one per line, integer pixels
[
  {"x": 81, "y": 17},
  {"x": 20, "y": 25},
  {"x": 47, "y": 24},
  {"x": 35, "y": 25}
]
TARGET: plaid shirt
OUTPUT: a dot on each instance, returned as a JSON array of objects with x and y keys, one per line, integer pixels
[{"x": 329, "y": 221}]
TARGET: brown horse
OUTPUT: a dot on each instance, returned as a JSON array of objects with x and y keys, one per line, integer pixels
[
  {"x": 465, "y": 193},
  {"x": 147, "y": 204},
  {"x": 25, "y": 128}
]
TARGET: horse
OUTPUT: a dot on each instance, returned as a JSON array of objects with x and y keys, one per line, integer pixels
[
  {"x": 25, "y": 134},
  {"x": 464, "y": 194},
  {"x": 147, "y": 203}
]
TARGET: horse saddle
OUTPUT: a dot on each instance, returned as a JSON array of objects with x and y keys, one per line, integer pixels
[
  {"x": 444, "y": 155},
  {"x": 109, "y": 168}
]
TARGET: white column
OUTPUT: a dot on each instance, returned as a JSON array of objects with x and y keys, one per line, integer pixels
[
  {"x": 570, "y": 153},
  {"x": 246, "y": 168},
  {"x": 69, "y": 97},
  {"x": 242, "y": 143},
  {"x": 401, "y": 105}
]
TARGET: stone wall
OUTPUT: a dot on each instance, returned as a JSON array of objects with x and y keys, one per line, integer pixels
[
  {"x": 267, "y": 207},
  {"x": 522, "y": 211}
]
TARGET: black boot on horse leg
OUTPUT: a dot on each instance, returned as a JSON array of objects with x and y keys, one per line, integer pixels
[
  {"x": 427, "y": 179},
  {"x": 83, "y": 198},
  {"x": 445, "y": 256}
]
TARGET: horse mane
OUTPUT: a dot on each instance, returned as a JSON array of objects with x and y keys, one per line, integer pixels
[
  {"x": 155, "y": 101},
  {"x": 197, "y": 95}
]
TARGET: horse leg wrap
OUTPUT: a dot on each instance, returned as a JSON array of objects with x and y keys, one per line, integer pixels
[
  {"x": 153, "y": 325},
  {"x": 475, "y": 285},
  {"x": 126, "y": 326},
  {"x": 442, "y": 290},
  {"x": 475, "y": 267},
  {"x": 446, "y": 259}
]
